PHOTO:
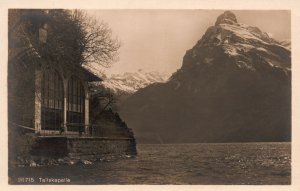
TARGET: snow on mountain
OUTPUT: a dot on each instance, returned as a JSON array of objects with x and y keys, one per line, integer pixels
[
  {"x": 286, "y": 43},
  {"x": 234, "y": 86},
  {"x": 240, "y": 41},
  {"x": 130, "y": 82}
]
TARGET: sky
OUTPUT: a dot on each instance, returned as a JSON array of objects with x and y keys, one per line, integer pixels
[{"x": 156, "y": 40}]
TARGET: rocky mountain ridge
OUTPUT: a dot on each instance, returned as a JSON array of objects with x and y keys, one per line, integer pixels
[
  {"x": 234, "y": 85},
  {"x": 236, "y": 40}
]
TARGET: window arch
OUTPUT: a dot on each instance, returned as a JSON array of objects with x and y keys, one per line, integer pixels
[
  {"x": 52, "y": 101},
  {"x": 75, "y": 105}
]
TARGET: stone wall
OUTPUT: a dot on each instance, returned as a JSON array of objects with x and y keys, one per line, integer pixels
[
  {"x": 34, "y": 151},
  {"x": 100, "y": 148},
  {"x": 52, "y": 147}
]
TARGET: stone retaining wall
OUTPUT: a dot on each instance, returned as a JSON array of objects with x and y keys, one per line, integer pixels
[
  {"x": 70, "y": 150},
  {"x": 97, "y": 148}
]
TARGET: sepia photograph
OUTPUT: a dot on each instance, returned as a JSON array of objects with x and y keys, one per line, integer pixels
[{"x": 149, "y": 97}]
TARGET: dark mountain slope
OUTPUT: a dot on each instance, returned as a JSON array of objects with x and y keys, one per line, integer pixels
[{"x": 234, "y": 85}]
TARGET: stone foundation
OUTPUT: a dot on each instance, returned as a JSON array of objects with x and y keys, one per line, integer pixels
[
  {"x": 70, "y": 150},
  {"x": 97, "y": 148}
]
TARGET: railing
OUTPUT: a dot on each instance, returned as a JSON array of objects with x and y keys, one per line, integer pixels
[
  {"x": 82, "y": 130},
  {"x": 74, "y": 129},
  {"x": 21, "y": 128},
  {"x": 78, "y": 130},
  {"x": 104, "y": 131}
]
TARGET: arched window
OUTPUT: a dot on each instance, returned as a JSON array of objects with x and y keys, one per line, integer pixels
[
  {"x": 75, "y": 105},
  {"x": 52, "y": 101}
]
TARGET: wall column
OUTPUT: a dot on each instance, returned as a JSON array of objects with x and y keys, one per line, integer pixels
[
  {"x": 38, "y": 101},
  {"x": 65, "y": 114},
  {"x": 65, "y": 82},
  {"x": 86, "y": 114}
]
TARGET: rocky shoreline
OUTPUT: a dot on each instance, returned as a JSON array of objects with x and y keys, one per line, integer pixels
[{"x": 44, "y": 161}]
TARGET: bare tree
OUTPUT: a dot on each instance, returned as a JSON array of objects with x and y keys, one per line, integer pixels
[
  {"x": 98, "y": 45},
  {"x": 102, "y": 99},
  {"x": 73, "y": 37}
]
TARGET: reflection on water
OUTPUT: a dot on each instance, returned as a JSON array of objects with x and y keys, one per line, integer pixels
[{"x": 224, "y": 163}]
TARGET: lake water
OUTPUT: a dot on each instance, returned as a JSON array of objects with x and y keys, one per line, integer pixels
[{"x": 222, "y": 163}]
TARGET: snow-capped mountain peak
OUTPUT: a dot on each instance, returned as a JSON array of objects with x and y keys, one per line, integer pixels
[
  {"x": 130, "y": 82},
  {"x": 238, "y": 41}
]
